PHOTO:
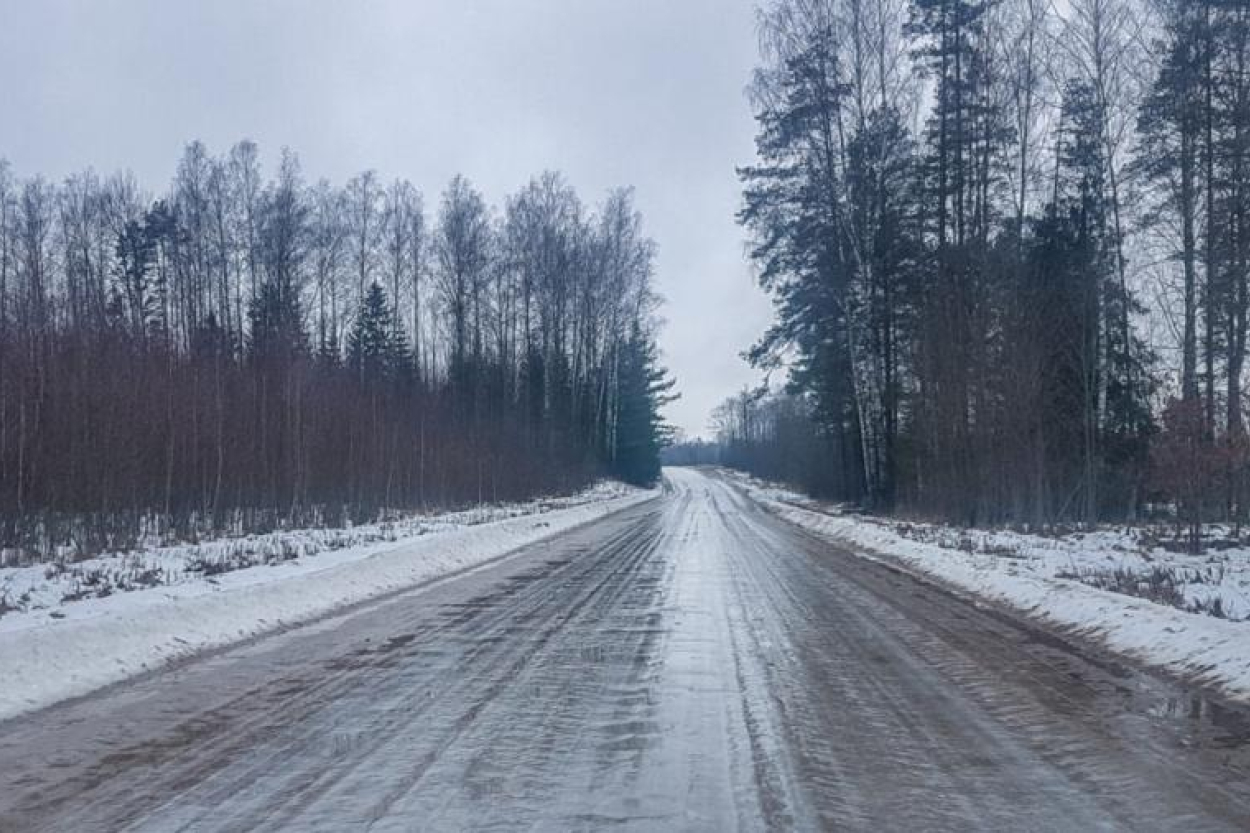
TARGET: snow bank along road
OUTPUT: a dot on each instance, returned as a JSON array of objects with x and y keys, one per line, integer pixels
[
  {"x": 689, "y": 663},
  {"x": 67, "y": 649}
]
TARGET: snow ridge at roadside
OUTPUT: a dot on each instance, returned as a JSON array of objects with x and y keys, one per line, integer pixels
[
  {"x": 1210, "y": 651},
  {"x": 106, "y": 640}
]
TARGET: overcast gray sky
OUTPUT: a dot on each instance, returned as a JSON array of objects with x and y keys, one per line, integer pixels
[{"x": 646, "y": 93}]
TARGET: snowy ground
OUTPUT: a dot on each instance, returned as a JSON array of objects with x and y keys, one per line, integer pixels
[
  {"x": 1189, "y": 614},
  {"x": 68, "y": 629},
  {"x": 57, "y": 590}
]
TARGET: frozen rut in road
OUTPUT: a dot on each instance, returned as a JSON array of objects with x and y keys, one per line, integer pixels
[{"x": 691, "y": 663}]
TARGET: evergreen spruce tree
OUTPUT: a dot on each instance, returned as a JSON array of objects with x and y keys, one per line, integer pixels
[
  {"x": 640, "y": 430},
  {"x": 376, "y": 347}
]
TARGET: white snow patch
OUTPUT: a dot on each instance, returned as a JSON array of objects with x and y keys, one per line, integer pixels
[
  {"x": 55, "y": 649},
  {"x": 1047, "y": 577}
]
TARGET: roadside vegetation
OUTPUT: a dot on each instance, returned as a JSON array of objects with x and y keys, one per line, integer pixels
[
  {"x": 48, "y": 585},
  {"x": 239, "y": 355},
  {"x": 1009, "y": 245}
]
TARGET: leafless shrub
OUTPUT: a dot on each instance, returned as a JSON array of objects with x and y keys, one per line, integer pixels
[{"x": 1159, "y": 584}]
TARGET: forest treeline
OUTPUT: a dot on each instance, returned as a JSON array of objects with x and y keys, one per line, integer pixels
[
  {"x": 240, "y": 352},
  {"x": 1009, "y": 247}
]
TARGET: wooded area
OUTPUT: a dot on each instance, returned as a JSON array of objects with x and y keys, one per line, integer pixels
[
  {"x": 239, "y": 354},
  {"x": 1009, "y": 247}
]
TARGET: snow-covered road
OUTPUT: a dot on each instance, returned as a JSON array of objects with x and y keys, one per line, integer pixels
[{"x": 689, "y": 663}]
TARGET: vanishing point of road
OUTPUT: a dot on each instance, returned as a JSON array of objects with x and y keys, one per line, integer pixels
[{"x": 690, "y": 663}]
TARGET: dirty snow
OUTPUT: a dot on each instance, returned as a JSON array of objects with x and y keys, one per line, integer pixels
[
  {"x": 1188, "y": 614},
  {"x": 82, "y": 626}
]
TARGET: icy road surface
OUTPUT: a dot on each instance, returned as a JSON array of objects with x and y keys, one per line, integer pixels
[{"x": 691, "y": 663}]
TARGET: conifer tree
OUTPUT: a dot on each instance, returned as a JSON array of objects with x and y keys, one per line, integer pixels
[
  {"x": 372, "y": 351},
  {"x": 640, "y": 430}
]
